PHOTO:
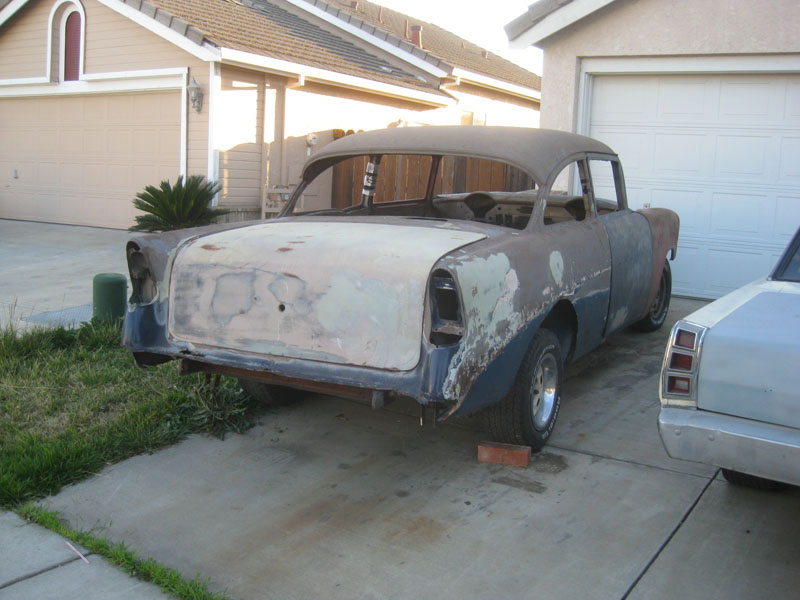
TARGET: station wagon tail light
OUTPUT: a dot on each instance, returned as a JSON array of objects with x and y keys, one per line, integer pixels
[
  {"x": 680, "y": 371},
  {"x": 685, "y": 339},
  {"x": 447, "y": 326}
]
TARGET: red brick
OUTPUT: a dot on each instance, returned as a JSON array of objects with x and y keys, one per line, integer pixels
[{"x": 504, "y": 454}]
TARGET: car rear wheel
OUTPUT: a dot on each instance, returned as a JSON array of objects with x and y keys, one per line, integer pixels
[
  {"x": 528, "y": 414},
  {"x": 267, "y": 393},
  {"x": 660, "y": 307},
  {"x": 751, "y": 481}
]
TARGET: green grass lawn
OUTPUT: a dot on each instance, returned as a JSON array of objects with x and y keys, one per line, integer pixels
[{"x": 71, "y": 401}]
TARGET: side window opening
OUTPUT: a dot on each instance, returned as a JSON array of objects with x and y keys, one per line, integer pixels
[
  {"x": 606, "y": 185},
  {"x": 569, "y": 198}
]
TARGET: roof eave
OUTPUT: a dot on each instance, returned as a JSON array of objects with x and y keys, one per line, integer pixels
[
  {"x": 499, "y": 85},
  {"x": 10, "y": 9},
  {"x": 522, "y": 32},
  {"x": 308, "y": 73}
]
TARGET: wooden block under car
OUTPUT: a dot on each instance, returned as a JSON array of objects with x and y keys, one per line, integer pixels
[{"x": 504, "y": 454}]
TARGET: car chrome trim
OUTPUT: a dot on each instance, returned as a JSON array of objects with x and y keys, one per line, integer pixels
[
  {"x": 743, "y": 445},
  {"x": 672, "y": 398}
]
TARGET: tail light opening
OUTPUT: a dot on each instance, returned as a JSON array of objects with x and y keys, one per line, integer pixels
[
  {"x": 447, "y": 326},
  {"x": 144, "y": 286}
]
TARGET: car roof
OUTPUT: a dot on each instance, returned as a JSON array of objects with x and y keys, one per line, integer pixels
[{"x": 535, "y": 151}]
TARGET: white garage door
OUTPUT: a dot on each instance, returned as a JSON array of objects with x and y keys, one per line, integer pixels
[
  {"x": 82, "y": 159},
  {"x": 723, "y": 151}
]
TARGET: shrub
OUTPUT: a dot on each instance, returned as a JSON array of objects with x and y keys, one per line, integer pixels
[{"x": 169, "y": 207}]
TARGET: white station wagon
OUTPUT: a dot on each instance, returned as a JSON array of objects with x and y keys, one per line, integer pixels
[{"x": 730, "y": 384}]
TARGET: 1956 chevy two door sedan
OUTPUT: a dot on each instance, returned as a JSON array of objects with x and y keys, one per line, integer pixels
[{"x": 459, "y": 266}]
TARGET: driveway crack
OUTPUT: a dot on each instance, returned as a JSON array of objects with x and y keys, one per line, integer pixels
[
  {"x": 21, "y": 578},
  {"x": 672, "y": 534}
]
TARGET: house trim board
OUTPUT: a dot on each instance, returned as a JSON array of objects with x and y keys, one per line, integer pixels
[
  {"x": 497, "y": 84},
  {"x": 556, "y": 21},
  {"x": 11, "y": 9},
  {"x": 97, "y": 83}
]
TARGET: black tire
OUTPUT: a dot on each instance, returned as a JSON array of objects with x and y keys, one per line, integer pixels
[
  {"x": 751, "y": 481},
  {"x": 267, "y": 393},
  {"x": 660, "y": 307},
  {"x": 528, "y": 414}
]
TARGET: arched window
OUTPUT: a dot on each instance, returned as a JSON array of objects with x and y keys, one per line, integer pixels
[
  {"x": 72, "y": 46},
  {"x": 66, "y": 41}
]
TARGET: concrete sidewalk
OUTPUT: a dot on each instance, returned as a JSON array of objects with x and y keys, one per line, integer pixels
[
  {"x": 37, "y": 563},
  {"x": 329, "y": 499}
]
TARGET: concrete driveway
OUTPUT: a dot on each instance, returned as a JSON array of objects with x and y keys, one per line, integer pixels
[
  {"x": 328, "y": 499},
  {"x": 47, "y": 270}
]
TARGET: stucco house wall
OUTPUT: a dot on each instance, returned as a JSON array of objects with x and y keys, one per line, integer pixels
[{"x": 650, "y": 28}]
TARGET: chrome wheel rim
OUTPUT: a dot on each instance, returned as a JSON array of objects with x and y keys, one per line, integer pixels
[{"x": 543, "y": 391}]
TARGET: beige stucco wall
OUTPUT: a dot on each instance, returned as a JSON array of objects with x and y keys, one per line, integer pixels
[{"x": 641, "y": 28}]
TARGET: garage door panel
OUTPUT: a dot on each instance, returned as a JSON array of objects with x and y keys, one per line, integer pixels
[
  {"x": 787, "y": 217},
  {"x": 629, "y": 99},
  {"x": 750, "y": 100},
  {"x": 730, "y": 268},
  {"x": 685, "y": 100},
  {"x": 689, "y": 267},
  {"x": 678, "y": 153},
  {"x": 742, "y": 157},
  {"x": 792, "y": 111},
  {"x": 790, "y": 160},
  {"x": 726, "y": 220},
  {"x": 634, "y": 145},
  {"x": 723, "y": 151},
  {"x": 82, "y": 159},
  {"x": 691, "y": 206}
]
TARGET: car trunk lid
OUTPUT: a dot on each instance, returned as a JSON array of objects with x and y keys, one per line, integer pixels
[
  {"x": 340, "y": 292},
  {"x": 750, "y": 359}
]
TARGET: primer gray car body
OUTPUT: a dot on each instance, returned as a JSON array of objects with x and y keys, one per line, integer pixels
[
  {"x": 731, "y": 398},
  {"x": 435, "y": 297}
]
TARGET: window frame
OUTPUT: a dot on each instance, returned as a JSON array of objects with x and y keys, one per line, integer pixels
[{"x": 56, "y": 41}]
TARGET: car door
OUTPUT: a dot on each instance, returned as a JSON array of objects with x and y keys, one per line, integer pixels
[
  {"x": 630, "y": 242},
  {"x": 578, "y": 251}
]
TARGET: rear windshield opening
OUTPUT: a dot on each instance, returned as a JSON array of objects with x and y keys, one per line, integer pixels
[{"x": 423, "y": 186}]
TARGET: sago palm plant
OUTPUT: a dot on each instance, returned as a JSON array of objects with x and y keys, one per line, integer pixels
[{"x": 169, "y": 207}]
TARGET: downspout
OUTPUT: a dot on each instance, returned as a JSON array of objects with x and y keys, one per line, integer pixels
[
  {"x": 214, "y": 85},
  {"x": 263, "y": 137},
  {"x": 280, "y": 134},
  {"x": 183, "y": 164}
]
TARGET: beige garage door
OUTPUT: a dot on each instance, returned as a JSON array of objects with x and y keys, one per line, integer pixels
[
  {"x": 81, "y": 159},
  {"x": 721, "y": 150}
]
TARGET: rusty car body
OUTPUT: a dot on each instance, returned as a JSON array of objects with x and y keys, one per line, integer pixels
[{"x": 459, "y": 266}]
